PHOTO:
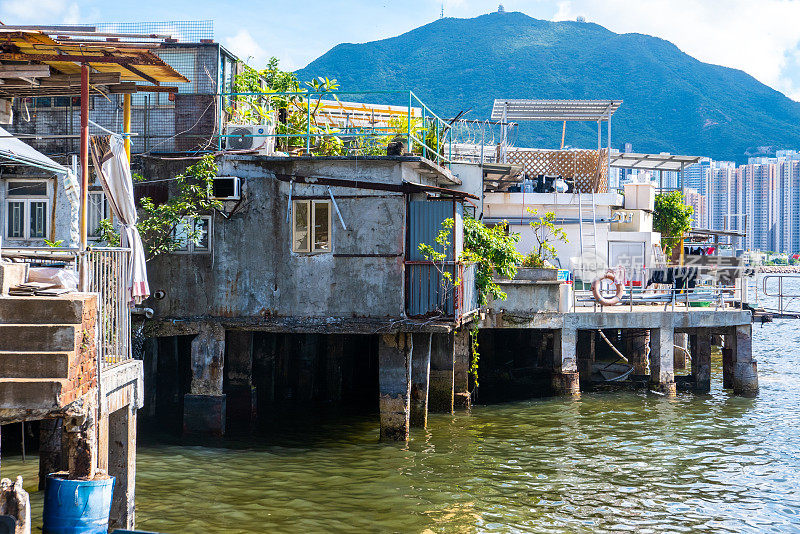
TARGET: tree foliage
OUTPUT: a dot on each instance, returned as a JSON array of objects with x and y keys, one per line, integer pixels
[
  {"x": 545, "y": 232},
  {"x": 158, "y": 223},
  {"x": 671, "y": 217},
  {"x": 492, "y": 249}
]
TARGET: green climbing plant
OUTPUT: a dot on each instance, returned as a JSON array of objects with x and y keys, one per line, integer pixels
[
  {"x": 158, "y": 223},
  {"x": 493, "y": 251}
]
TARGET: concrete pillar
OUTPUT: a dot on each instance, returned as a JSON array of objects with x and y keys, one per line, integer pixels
[
  {"x": 122, "y": 465},
  {"x": 205, "y": 406},
  {"x": 462, "y": 360},
  {"x": 394, "y": 377},
  {"x": 51, "y": 452},
  {"x": 241, "y": 403},
  {"x": 420, "y": 372},
  {"x": 637, "y": 350},
  {"x": 150, "y": 351},
  {"x": 585, "y": 352},
  {"x": 680, "y": 347},
  {"x": 728, "y": 347},
  {"x": 442, "y": 378},
  {"x": 662, "y": 359},
  {"x": 745, "y": 369},
  {"x": 81, "y": 432},
  {"x": 701, "y": 361},
  {"x": 334, "y": 357},
  {"x": 565, "y": 363}
]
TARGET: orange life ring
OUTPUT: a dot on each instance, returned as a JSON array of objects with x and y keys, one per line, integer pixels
[{"x": 600, "y": 298}]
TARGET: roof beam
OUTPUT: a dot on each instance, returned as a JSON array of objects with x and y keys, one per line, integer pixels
[
  {"x": 24, "y": 71},
  {"x": 142, "y": 74},
  {"x": 76, "y": 58}
]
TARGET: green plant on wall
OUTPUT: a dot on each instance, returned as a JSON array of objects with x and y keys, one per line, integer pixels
[
  {"x": 158, "y": 223},
  {"x": 493, "y": 251},
  {"x": 545, "y": 233},
  {"x": 672, "y": 217}
]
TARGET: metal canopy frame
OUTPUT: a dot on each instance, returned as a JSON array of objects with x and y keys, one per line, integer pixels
[
  {"x": 654, "y": 162},
  {"x": 554, "y": 110},
  {"x": 516, "y": 110}
]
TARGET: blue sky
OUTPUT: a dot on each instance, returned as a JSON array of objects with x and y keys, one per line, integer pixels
[{"x": 761, "y": 37}]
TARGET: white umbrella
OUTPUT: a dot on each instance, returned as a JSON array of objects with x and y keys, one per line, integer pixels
[{"x": 115, "y": 176}]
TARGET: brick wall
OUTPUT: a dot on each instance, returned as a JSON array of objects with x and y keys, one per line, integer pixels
[{"x": 82, "y": 376}]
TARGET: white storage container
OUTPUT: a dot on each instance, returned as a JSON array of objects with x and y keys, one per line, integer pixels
[{"x": 640, "y": 196}]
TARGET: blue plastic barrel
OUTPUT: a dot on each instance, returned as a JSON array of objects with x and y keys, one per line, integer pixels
[{"x": 76, "y": 506}]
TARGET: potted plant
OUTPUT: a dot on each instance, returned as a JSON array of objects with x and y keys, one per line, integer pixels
[{"x": 537, "y": 265}]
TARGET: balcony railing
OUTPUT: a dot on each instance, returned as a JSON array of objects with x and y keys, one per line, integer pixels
[
  {"x": 107, "y": 275},
  {"x": 337, "y": 123},
  {"x": 430, "y": 292}
]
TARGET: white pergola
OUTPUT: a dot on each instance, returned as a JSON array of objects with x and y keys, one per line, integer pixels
[
  {"x": 653, "y": 162},
  {"x": 516, "y": 110}
]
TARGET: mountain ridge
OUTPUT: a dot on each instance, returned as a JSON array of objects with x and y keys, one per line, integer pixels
[{"x": 672, "y": 101}]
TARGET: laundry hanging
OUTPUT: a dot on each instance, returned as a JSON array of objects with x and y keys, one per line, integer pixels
[{"x": 111, "y": 162}]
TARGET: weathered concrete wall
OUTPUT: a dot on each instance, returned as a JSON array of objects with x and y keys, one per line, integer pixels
[
  {"x": 61, "y": 213},
  {"x": 251, "y": 270}
]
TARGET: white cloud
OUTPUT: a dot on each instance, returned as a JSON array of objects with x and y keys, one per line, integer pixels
[
  {"x": 245, "y": 46},
  {"x": 757, "y": 37},
  {"x": 33, "y": 11}
]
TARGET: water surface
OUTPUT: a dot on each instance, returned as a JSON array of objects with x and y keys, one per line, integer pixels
[{"x": 609, "y": 462}]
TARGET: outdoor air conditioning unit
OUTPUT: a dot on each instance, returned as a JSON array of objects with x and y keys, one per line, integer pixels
[
  {"x": 251, "y": 137},
  {"x": 226, "y": 188}
]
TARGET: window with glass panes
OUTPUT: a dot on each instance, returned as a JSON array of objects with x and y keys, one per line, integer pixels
[
  {"x": 97, "y": 211},
  {"x": 311, "y": 226},
  {"x": 27, "y": 209},
  {"x": 193, "y": 234}
]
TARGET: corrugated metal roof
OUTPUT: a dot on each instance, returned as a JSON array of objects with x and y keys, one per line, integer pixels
[
  {"x": 135, "y": 64},
  {"x": 651, "y": 162},
  {"x": 553, "y": 110},
  {"x": 13, "y": 149}
]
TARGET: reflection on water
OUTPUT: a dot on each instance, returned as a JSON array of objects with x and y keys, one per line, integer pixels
[{"x": 605, "y": 463}]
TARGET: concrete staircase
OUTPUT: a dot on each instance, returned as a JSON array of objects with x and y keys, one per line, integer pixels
[{"x": 46, "y": 359}]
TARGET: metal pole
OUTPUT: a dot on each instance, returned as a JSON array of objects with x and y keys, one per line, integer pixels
[
  {"x": 308, "y": 126},
  {"x": 84, "y": 155},
  {"x": 126, "y": 123},
  {"x": 599, "y": 135},
  {"x": 504, "y": 129},
  {"x": 608, "y": 151},
  {"x": 410, "y": 139}
]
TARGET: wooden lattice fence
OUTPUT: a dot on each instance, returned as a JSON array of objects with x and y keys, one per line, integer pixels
[{"x": 589, "y": 168}]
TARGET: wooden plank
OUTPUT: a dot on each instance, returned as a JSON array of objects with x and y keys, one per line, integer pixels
[{"x": 24, "y": 71}]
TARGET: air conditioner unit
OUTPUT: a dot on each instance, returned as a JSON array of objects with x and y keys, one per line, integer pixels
[
  {"x": 257, "y": 137},
  {"x": 226, "y": 188}
]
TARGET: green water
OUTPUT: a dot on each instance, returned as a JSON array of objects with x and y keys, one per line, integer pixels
[{"x": 604, "y": 463}]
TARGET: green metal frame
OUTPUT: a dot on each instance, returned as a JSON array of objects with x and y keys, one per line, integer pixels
[{"x": 441, "y": 154}]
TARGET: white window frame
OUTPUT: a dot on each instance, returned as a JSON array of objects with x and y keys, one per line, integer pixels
[
  {"x": 190, "y": 247},
  {"x": 310, "y": 224},
  {"x": 27, "y": 200},
  {"x": 105, "y": 208}
]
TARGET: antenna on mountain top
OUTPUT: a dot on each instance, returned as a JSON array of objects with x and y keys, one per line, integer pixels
[
  {"x": 441, "y": 15},
  {"x": 501, "y": 9}
]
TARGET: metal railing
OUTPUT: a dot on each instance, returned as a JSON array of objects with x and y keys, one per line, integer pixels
[
  {"x": 306, "y": 125},
  {"x": 706, "y": 290},
  {"x": 780, "y": 294},
  {"x": 107, "y": 274},
  {"x": 431, "y": 292}
]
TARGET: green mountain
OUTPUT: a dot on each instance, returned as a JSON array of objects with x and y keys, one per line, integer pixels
[{"x": 672, "y": 102}]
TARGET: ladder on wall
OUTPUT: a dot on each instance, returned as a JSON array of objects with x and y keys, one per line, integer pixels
[{"x": 587, "y": 209}]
